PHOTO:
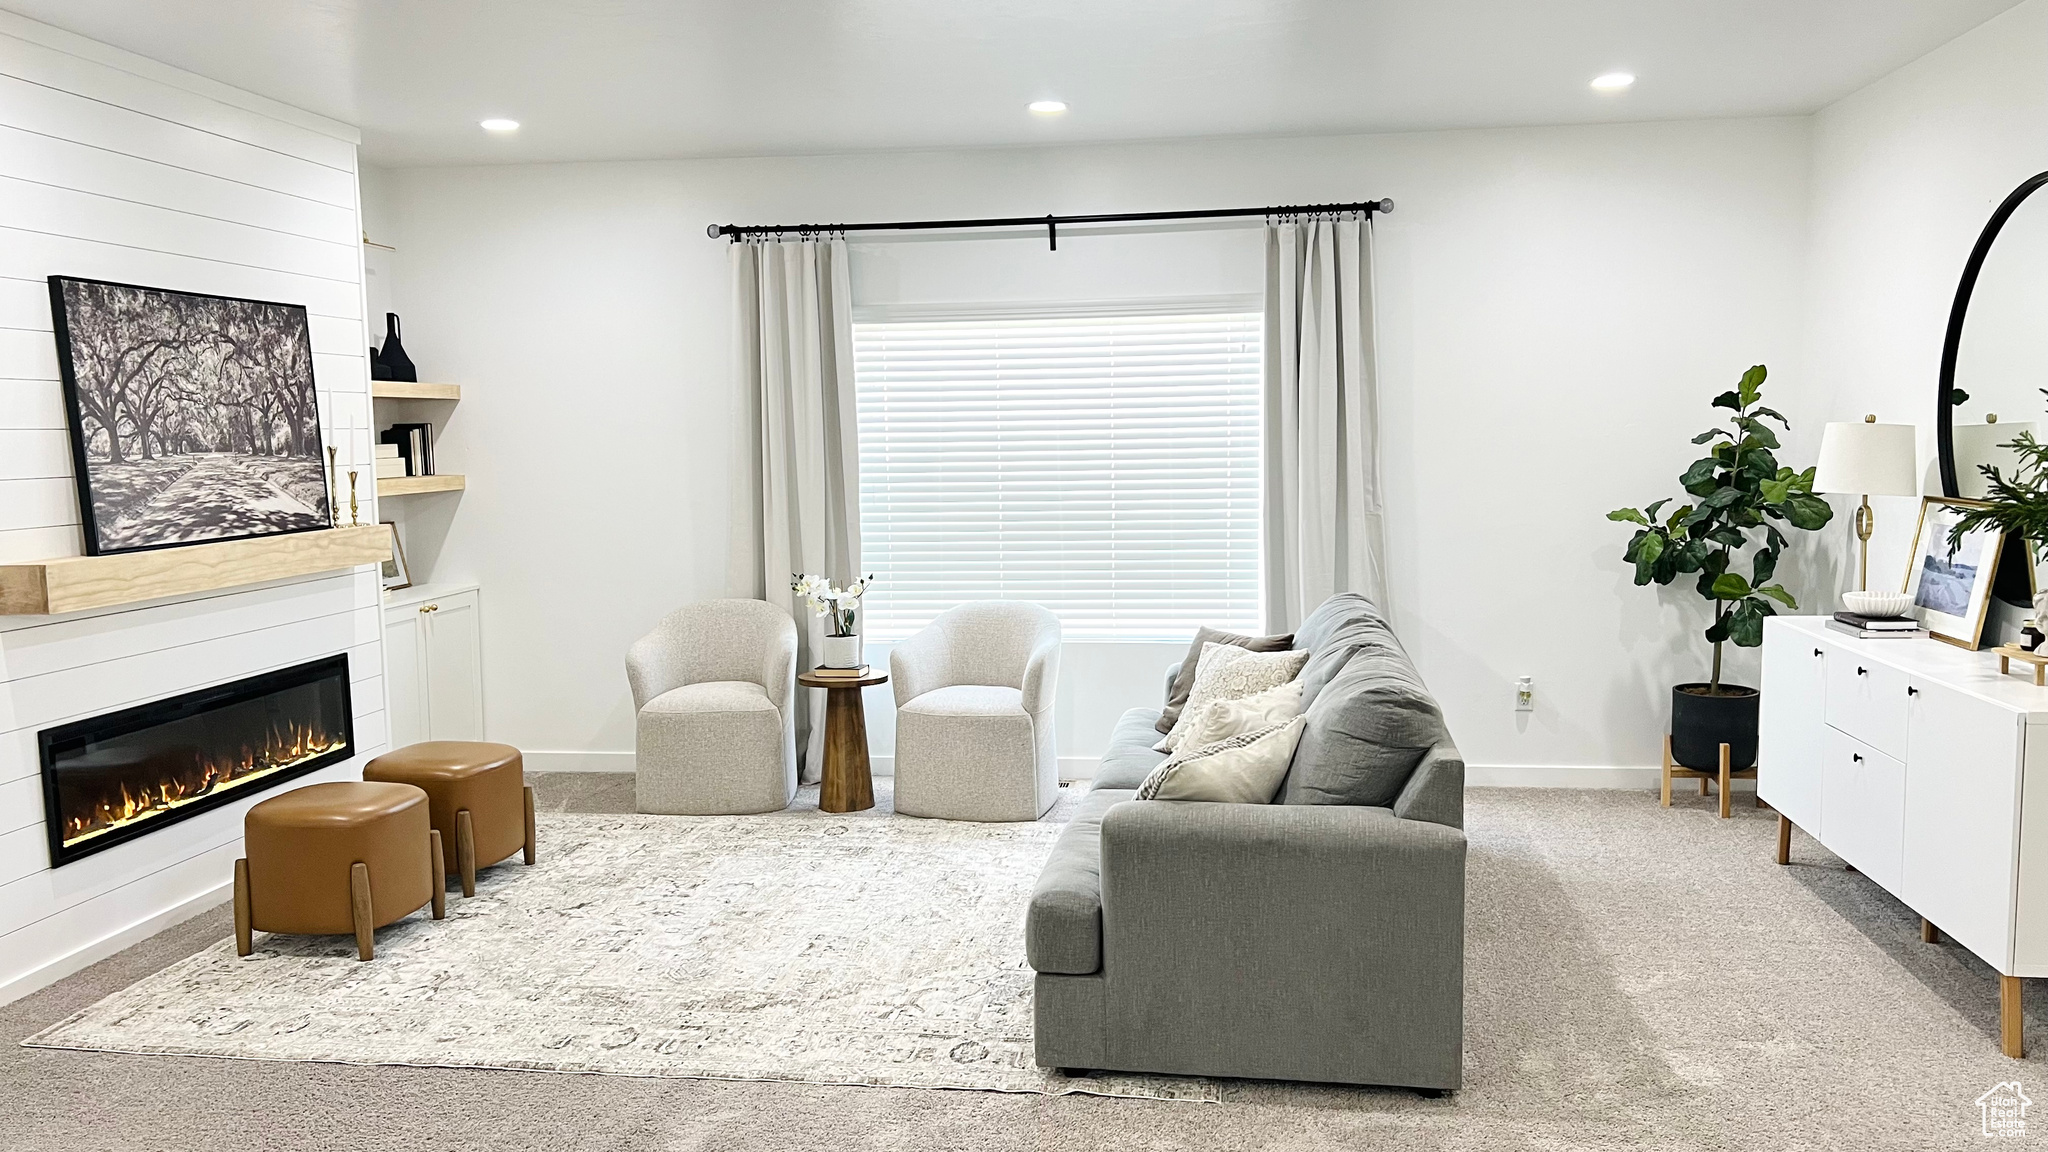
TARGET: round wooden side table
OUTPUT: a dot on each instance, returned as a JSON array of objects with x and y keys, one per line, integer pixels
[{"x": 845, "y": 784}]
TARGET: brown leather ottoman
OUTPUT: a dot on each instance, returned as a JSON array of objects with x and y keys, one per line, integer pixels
[
  {"x": 334, "y": 858},
  {"x": 476, "y": 794}
]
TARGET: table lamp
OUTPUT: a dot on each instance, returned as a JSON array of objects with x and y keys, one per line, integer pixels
[{"x": 1867, "y": 459}]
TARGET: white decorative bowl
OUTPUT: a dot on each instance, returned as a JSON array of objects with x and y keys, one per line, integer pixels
[{"x": 1875, "y": 603}]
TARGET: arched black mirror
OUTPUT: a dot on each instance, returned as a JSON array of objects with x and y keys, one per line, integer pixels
[{"x": 1994, "y": 362}]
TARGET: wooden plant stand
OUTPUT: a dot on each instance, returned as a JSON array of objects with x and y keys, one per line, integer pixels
[
  {"x": 1674, "y": 769},
  {"x": 2007, "y": 653}
]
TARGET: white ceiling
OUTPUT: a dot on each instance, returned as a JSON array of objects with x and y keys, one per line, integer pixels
[{"x": 610, "y": 79}]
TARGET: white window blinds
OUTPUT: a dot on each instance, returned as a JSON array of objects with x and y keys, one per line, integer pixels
[{"x": 1105, "y": 466}]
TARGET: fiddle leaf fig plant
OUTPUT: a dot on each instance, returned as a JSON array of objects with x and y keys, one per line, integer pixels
[{"x": 1739, "y": 492}]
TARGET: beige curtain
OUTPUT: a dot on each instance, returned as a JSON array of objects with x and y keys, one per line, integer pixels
[
  {"x": 800, "y": 493},
  {"x": 1321, "y": 527}
]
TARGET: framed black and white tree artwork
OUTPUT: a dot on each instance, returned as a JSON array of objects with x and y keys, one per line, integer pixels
[{"x": 193, "y": 417}]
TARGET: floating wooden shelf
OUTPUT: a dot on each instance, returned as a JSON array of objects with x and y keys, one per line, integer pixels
[
  {"x": 409, "y": 485},
  {"x": 75, "y": 583},
  {"x": 407, "y": 390}
]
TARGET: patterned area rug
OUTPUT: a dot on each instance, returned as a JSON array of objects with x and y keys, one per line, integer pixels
[{"x": 821, "y": 949}]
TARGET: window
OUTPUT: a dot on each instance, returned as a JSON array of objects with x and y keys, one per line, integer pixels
[{"x": 1103, "y": 465}]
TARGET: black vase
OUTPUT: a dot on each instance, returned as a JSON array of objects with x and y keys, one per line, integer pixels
[
  {"x": 378, "y": 370},
  {"x": 1700, "y": 724},
  {"x": 393, "y": 355}
]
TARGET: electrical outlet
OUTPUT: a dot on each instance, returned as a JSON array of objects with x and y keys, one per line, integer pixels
[{"x": 1525, "y": 694}]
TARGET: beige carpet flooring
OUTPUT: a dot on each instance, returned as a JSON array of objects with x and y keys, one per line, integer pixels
[{"x": 1635, "y": 978}]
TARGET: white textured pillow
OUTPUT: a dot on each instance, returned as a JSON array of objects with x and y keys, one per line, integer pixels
[
  {"x": 1222, "y": 719},
  {"x": 1227, "y": 672},
  {"x": 1242, "y": 769}
]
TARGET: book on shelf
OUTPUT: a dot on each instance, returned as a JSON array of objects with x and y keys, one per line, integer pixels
[
  {"x": 389, "y": 467},
  {"x": 1878, "y": 623},
  {"x": 387, "y": 452},
  {"x": 1916, "y": 632},
  {"x": 415, "y": 444},
  {"x": 839, "y": 673}
]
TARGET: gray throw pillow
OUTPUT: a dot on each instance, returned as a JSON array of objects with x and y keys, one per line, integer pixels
[
  {"x": 1184, "y": 680},
  {"x": 1367, "y": 730}
]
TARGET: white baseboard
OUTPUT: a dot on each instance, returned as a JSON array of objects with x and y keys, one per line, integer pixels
[
  {"x": 577, "y": 761},
  {"x": 88, "y": 955},
  {"x": 1083, "y": 768}
]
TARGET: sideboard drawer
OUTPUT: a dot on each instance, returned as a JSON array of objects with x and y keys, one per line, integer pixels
[
  {"x": 1863, "y": 808},
  {"x": 1867, "y": 700}
]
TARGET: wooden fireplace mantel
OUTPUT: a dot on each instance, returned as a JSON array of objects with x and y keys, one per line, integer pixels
[{"x": 76, "y": 583}]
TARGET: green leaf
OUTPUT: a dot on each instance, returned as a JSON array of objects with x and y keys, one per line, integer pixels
[
  {"x": 1760, "y": 435},
  {"x": 1728, "y": 400},
  {"x": 1729, "y": 586},
  {"x": 1759, "y": 464},
  {"x": 1718, "y": 631},
  {"x": 1807, "y": 511},
  {"x": 1752, "y": 383},
  {"x": 1775, "y": 491},
  {"x": 1628, "y": 515},
  {"x": 1958, "y": 397},
  {"x": 1699, "y": 479},
  {"x": 1723, "y": 497},
  {"x": 1672, "y": 521},
  {"x": 1777, "y": 592},
  {"x": 1761, "y": 567},
  {"x": 1651, "y": 511},
  {"x": 1690, "y": 556},
  {"x": 1746, "y": 624},
  {"x": 1728, "y": 536},
  {"x": 1710, "y": 433},
  {"x": 1773, "y": 413}
]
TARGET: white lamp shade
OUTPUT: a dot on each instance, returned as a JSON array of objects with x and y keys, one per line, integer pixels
[
  {"x": 1867, "y": 460},
  {"x": 1976, "y": 444}
]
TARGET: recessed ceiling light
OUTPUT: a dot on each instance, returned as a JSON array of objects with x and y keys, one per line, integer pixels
[
  {"x": 1048, "y": 107},
  {"x": 500, "y": 125},
  {"x": 1613, "y": 82}
]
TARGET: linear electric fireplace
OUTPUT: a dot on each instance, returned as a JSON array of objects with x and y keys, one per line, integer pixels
[{"x": 124, "y": 774}]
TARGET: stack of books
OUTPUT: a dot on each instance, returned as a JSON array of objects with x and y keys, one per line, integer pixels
[
  {"x": 415, "y": 444},
  {"x": 839, "y": 673},
  {"x": 1877, "y": 627},
  {"x": 389, "y": 462}
]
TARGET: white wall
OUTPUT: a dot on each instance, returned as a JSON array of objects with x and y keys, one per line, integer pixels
[
  {"x": 1558, "y": 306},
  {"x": 117, "y": 168},
  {"x": 1906, "y": 172}
]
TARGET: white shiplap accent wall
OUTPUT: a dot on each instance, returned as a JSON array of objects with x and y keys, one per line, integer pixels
[{"x": 120, "y": 168}]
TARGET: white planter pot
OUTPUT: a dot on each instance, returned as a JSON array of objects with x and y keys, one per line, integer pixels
[{"x": 839, "y": 652}]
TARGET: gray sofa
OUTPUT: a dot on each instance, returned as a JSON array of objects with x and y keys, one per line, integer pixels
[{"x": 1320, "y": 937}]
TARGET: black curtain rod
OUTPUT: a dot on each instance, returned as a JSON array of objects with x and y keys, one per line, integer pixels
[{"x": 1051, "y": 223}]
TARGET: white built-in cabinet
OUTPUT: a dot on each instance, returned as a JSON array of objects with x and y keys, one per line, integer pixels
[
  {"x": 1924, "y": 768},
  {"x": 433, "y": 653}
]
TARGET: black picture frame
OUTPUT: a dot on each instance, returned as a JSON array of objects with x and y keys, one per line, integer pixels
[{"x": 190, "y": 342}]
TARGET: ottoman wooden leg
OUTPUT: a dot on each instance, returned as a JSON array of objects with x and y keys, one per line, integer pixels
[
  {"x": 440, "y": 874},
  {"x": 359, "y": 909},
  {"x": 243, "y": 932},
  {"x": 465, "y": 852},
  {"x": 529, "y": 823},
  {"x": 1667, "y": 772}
]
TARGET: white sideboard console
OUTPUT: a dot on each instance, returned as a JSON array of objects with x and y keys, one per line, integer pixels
[{"x": 1925, "y": 769}]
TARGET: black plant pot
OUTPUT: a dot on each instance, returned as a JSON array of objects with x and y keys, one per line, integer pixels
[{"x": 1700, "y": 724}]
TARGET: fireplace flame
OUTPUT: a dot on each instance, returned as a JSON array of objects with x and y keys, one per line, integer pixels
[{"x": 293, "y": 744}]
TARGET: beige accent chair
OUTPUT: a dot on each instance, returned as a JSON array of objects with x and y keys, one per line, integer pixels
[
  {"x": 715, "y": 686},
  {"x": 974, "y": 730}
]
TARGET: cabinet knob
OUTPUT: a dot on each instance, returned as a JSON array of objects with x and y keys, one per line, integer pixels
[
  {"x": 1860, "y": 671},
  {"x": 1856, "y": 756},
  {"x": 430, "y": 607},
  {"x": 1912, "y": 691},
  {"x": 1816, "y": 651}
]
